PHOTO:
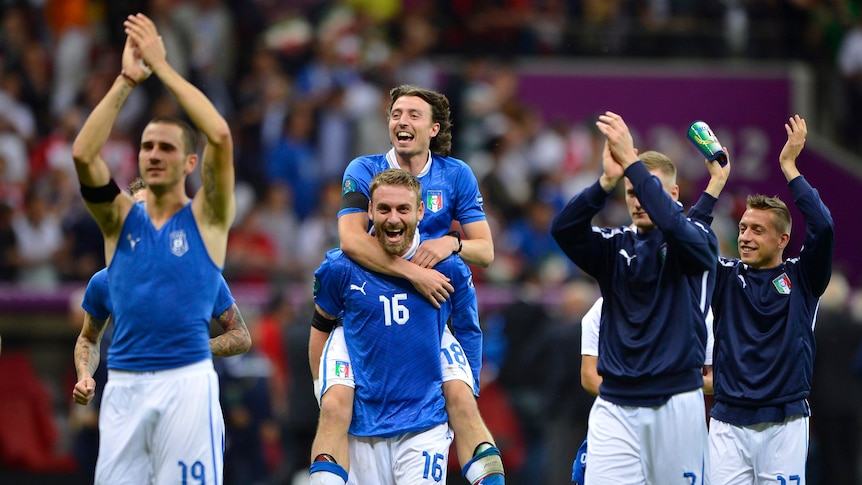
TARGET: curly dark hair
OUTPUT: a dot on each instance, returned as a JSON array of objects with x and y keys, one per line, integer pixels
[{"x": 440, "y": 113}]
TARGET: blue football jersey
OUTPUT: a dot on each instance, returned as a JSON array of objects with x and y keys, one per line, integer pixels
[
  {"x": 163, "y": 287},
  {"x": 449, "y": 190},
  {"x": 393, "y": 337}
]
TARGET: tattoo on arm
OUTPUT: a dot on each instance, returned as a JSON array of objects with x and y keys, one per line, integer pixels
[
  {"x": 235, "y": 339},
  {"x": 87, "y": 351}
]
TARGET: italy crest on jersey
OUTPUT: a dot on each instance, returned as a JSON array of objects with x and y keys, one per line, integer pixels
[
  {"x": 179, "y": 243},
  {"x": 342, "y": 368},
  {"x": 782, "y": 284},
  {"x": 434, "y": 200}
]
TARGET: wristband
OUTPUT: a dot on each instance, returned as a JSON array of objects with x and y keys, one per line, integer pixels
[
  {"x": 457, "y": 235},
  {"x": 132, "y": 83}
]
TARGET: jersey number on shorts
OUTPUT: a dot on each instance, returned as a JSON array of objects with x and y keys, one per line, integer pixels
[
  {"x": 196, "y": 470},
  {"x": 433, "y": 467},
  {"x": 394, "y": 310},
  {"x": 792, "y": 478},
  {"x": 454, "y": 354}
]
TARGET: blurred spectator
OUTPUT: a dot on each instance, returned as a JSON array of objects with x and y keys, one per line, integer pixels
[
  {"x": 850, "y": 66},
  {"x": 68, "y": 22},
  {"x": 252, "y": 254},
  {"x": 293, "y": 160},
  {"x": 11, "y": 192},
  {"x": 212, "y": 48},
  {"x": 8, "y": 246},
  {"x": 299, "y": 424},
  {"x": 83, "y": 250},
  {"x": 319, "y": 231},
  {"x": 39, "y": 239},
  {"x": 836, "y": 418},
  {"x": 525, "y": 358},
  {"x": 567, "y": 404},
  {"x": 278, "y": 219},
  {"x": 244, "y": 382},
  {"x": 268, "y": 333}
]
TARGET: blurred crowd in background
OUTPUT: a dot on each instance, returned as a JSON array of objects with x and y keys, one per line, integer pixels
[{"x": 304, "y": 85}]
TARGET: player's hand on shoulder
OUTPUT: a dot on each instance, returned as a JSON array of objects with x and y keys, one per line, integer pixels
[
  {"x": 432, "y": 251},
  {"x": 432, "y": 284}
]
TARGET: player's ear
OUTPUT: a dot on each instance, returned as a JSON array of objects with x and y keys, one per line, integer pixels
[
  {"x": 783, "y": 240},
  {"x": 420, "y": 211},
  {"x": 191, "y": 163}
]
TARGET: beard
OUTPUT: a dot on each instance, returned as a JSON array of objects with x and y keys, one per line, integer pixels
[{"x": 396, "y": 248}]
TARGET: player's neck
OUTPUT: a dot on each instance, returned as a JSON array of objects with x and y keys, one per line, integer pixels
[
  {"x": 414, "y": 163},
  {"x": 162, "y": 206}
]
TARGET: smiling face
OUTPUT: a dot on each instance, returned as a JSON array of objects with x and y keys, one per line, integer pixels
[
  {"x": 761, "y": 244},
  {"x": 162, "y": 160},
  {"x": 411, "y": 127},
  {"x": 395, "y": 211}
]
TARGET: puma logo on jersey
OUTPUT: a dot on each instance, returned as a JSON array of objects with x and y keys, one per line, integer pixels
[
  {"x": 628, "y": 258},
  {"x": 359, "y": 288},
  {"x": 132, "y": 242}
]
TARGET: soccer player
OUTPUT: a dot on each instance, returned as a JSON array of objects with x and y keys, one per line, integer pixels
[
  {"x": 765, "y": 307},
  {"x": 647, "y": 424},
  {"x": 420, "y": 133},
  {"x": 160, "y": 419},
  {"x": 398, "y": 432}
]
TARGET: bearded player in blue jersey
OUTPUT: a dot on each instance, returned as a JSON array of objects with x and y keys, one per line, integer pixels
[
  {"x": 420, "y": 133},
  {"x": 765, "y": 309},
  {"x": 648, "y": 423},
  {"x": 399, "y": 432},
  {"x": 164, "y": 259}
]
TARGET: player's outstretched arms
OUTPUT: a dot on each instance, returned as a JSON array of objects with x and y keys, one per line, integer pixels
[
  {"x": 87, "y": 356},
  {"x": 797, "y": 130},
  {"x": 236, "y": 339}
]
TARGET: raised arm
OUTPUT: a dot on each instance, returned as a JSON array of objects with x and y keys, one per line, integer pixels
[
  {"x": 236, "y": 339},
  {"x": 819, "y": 245},
  {"x": 217, "y": 207},
  {"x": 87, "y": 357},
  {"x": 718, "y": 175},
  {"x": 102, "y": 197}
]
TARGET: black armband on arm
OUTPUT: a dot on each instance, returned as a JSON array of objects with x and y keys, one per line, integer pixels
[
  {"x": 354, "y": 200},
  {"x": 97, "y": 195},
  {"x": 322, "y": 323}
]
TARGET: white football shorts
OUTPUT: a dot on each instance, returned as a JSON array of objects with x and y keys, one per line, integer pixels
[
  {"x": 161, "y": 427},
  {"x": 766, "y": 453},
  {"x": 661, "y": 445},
  {"x": 335, "y": 367},
  {"x": 420, "y": 458}
]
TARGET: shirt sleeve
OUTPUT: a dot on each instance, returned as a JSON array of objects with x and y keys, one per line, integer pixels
[
  {"x": 590, "y": 326},
  {"x": 694, "y": 240},
  {"x": 819, "y": 246},
  {"x": 224, "y": 298},
  {"x": 465, "y": 318}
]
